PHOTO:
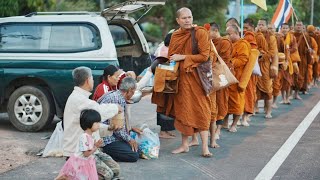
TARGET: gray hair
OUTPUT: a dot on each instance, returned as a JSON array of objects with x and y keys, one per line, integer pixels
[
  {"x": 178, "y": 13},
  {"x": 128, "y": 83},
  {"x": 80, "y": 75}
]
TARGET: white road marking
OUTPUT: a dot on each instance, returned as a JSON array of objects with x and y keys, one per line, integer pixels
[
  {"x": 276, "y": 161},
  {"x": 200, "y": 168}
]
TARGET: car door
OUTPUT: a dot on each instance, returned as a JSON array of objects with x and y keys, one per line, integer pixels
[{"x": 132, "y": 47}]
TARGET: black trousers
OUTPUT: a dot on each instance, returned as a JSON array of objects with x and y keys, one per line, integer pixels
[
  {"x": 166, "y": 123},
  {"x": 121, "y": 151}
]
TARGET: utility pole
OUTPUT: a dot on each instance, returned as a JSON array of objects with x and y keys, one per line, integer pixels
[
  {"x": 101, "y": 5},
  {"x": 312, "y": 8}
]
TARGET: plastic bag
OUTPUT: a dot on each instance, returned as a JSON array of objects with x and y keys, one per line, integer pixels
[
  {"x": 55, "y": 144},
  {"x": 149, "y": 143}
]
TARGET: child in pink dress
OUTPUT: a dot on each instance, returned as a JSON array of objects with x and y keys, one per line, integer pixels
[{"x": 82, "y": 165}]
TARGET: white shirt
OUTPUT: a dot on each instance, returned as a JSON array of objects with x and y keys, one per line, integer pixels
[{"x": 78, "y": 101}]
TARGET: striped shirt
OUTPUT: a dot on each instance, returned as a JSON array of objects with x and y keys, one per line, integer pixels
[{"x": 116, "y": 98}]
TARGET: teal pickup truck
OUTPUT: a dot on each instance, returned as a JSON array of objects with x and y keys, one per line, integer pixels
[{"x": 39, "y": 51}]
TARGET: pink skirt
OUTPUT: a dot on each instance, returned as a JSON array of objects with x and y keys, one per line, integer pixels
[{"x": 77, "y": 168}]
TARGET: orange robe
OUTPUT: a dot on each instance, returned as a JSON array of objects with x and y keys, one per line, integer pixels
[
  {"x": 250, "y": 93},
  {"x": 224, "y": 49},
  {"x": 313, "y": 74},
  {"x": 240, "y": 57},
  {"x": 284, "y": 78},
  {"x": 264, "y": 85},
  {"x": 305, "y": 57},
  {"x": 192, "y": 107}
]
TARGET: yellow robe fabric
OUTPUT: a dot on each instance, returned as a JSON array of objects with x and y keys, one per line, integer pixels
[
  {"x": 264, "y": 85},
  {"x": 240, "y": 57}
]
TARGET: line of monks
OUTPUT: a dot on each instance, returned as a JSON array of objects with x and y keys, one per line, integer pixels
[
  {"x": 288, "y": 62},
  {"x": 265, "y": 63}
]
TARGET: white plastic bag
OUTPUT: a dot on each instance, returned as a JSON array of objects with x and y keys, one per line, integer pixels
[
  {"x": 55, "y": 144},
  {"x": 256, "y": 69},
  {"x": 149, "y": 143}
]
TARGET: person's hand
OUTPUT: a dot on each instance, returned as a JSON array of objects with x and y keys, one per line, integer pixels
[
  {"x": 177, "y": 57},
  {"x": 137, "y": 130},
  {"x": 134, "y": 145},
  {"x": 131, "y": 74},
  {"x": 120, "y": 109},
  {"x": 98, "y": 143},
  {"x": 114, "y": 127}
]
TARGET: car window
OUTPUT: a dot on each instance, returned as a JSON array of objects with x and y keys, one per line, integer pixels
[
  {"x": 120, "y": 35},
  {"x": 44, "y": 37}
]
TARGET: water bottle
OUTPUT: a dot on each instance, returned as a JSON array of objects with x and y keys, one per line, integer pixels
[{"x": 172, "y": 63}]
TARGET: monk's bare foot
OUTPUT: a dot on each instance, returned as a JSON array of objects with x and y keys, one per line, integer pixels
[
  {"x": 245, "y": 123},
  {"x": 206, "y": 153},
  {"x": 171, "y": 134},
  {"x": 214, "y": 145},
  {"x": 239, "y": 123},
  {"x": 165, "y": 135},
  {"x": 282, "y": 102},
  {"x": 290, "y": 97},
  {"x": 274, "y": 106},
  {"x": 180, "y": 149},
  {"x": 194, "y": 143},
  {"x": 298, "y": 97},
  {"x": 216, "y": 136},
  {"x": 233, "y": 129},
  {"x": 225, "y": 126},
  {"x": 268, "y": 116}
]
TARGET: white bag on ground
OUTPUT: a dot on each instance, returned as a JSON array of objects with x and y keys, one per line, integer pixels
[
  {"x": 55, "y": 144},
  {"x": 149, "y": 143}
]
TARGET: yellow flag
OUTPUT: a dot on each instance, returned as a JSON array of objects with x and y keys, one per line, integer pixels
[{"x": 261, "y": 3}]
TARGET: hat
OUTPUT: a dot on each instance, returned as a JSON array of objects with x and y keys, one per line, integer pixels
[
  {"x": 162, "y": 51},
  {"x": 311, "y": 28},
  {"x": 110, "y": 70}
]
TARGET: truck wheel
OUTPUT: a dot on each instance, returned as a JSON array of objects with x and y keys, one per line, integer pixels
[{"x": 30, "y": 108}]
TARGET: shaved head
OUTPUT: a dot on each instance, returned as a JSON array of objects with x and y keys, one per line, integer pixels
[
  {"x": 178, "y": 13},
  {"x": 233, "y": 28}
]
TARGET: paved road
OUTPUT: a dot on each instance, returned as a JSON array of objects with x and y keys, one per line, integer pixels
[{"x": 242, "y": 155}]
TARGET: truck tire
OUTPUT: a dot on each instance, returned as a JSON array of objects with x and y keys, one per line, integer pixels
[{"x": 30, "y": 108}]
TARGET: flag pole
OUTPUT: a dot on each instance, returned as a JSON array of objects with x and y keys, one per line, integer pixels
[
  {"x": 241, "y": 19},
  {"x": 292, "y": 18},
  {"x": 304, "y": 36}
]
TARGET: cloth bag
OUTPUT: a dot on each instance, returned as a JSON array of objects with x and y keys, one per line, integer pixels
[
  {"x": 204, "y": 69},
  {"x": 54, "y": 146},
  {"x": 222, "y": 76}
]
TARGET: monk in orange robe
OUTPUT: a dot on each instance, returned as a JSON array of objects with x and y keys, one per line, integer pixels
[
  {"x": 317, "y": 33},
  {"x": 250, "y": 93},
  {"x": 192, "y": 107},
  {"x": 287, "y": 45},
  {"x": 313, "y": 69},
  {"x": 264, "y": 85},
  {"x": 224, "y": 49},
  {"x": 240, "y": 57},
  {"x": 306, "y": 55}
]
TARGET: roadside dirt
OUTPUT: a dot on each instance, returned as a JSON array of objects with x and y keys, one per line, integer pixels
[{"x": 19, "y": 148}]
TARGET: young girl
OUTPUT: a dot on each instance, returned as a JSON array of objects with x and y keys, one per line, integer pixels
[{"x": 88, "y": 161}]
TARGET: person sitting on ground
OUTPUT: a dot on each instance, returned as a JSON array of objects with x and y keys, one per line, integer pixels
[
  {"x": 110, "y": 80},
  {"x": 88, "y": 161},
  {"x": 78, "y": 101},
  {"x": 120, "y": 146}
]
